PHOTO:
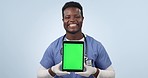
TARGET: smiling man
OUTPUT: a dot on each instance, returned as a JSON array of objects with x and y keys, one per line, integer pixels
[
  {"x": 73, "y": 20},
  {"x": 97, "y": 62}
]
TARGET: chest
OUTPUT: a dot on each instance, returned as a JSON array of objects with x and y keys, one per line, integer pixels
[{"x": 90, "y": 54}]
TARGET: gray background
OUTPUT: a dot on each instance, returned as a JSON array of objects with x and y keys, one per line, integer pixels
[{"x": 27, "y": 27}]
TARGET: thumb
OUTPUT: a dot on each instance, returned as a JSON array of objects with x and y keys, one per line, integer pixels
[{"x": 60, "y": 63}]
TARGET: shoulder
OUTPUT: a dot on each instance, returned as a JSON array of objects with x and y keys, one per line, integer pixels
[
  {"x": 92, "y": 40},
  {"x": 58, "y": 40},
  {"x": 93, "y": 43},
  {"x": 56, "y": 43}
]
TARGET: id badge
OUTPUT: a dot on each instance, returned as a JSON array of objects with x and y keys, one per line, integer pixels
[{"x": 88, "y": 61}]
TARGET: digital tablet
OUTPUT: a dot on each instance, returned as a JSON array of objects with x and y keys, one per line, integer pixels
[{"x": 73, "y": 56}]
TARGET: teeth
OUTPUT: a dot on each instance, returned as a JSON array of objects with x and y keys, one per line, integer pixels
[{"x": 72, "y": 25}]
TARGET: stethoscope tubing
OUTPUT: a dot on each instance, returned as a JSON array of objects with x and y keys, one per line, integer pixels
[{"x": 85, "y": 42}]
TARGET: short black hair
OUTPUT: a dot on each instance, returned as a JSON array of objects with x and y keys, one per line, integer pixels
[{"x": 72, "y": 4}]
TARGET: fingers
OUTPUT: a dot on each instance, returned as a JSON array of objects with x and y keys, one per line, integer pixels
[
  {"x": 61, "y": 73},
  {"x": 79, "y": 72},
  {"x": 65, "y": 72},
  {"x": 58, "y": 71}
]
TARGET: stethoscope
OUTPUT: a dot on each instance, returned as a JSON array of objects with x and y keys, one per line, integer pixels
[{"x": 88, "y": 62}]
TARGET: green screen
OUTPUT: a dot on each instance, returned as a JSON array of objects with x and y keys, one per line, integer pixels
[{"x": 73, "y": 56}]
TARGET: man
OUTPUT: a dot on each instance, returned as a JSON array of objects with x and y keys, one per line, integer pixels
[{"x": 100, "y": 66}]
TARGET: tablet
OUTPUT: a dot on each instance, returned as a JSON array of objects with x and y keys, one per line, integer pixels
[{"x": 73, "y": 56}]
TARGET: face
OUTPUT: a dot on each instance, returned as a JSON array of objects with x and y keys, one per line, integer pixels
[{"x": 72, "y": 20}]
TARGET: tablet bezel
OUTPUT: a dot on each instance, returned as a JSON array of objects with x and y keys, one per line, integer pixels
[{"x": 73, "y": 70}]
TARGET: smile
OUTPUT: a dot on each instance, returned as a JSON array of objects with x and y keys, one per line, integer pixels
[{"x": 72, "y": 25}]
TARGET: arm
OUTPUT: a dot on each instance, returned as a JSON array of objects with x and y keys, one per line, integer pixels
[
  {"x": 108, "y": 73},
  {"x": 97, "y": 73},
  {"x": 44, "y": 73},
  {"x": 103, "y": 61},
  {"x": 50, "y": 73}
]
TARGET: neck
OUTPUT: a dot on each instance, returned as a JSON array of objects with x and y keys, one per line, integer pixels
[{"x": 76, "y": 36}]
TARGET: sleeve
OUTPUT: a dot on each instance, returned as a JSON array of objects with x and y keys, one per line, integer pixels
[
  {"x": 43, "y": 73},
  {"x": 103, "y": 61},
  {"x": 107, "y": 73},
  {"x": 47, "y": 59}
]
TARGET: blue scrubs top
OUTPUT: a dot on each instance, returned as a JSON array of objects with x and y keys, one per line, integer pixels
[{"x": 95, "y": 52}]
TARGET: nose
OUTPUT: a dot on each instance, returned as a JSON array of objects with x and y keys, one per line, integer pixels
[{"x": 72, "y": 19}]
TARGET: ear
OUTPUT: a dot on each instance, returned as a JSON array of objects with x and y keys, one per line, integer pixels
[{"x": 82, "y": 18}]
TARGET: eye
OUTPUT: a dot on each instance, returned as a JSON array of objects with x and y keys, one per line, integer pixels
[
  {"x": 78, "y": 16},
  {"x": 66, "y": 17}
]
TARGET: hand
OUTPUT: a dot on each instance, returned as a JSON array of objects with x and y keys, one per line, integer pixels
[
  {"x": 89, "y": 71},
  {"x": 57, "y": 71}
]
